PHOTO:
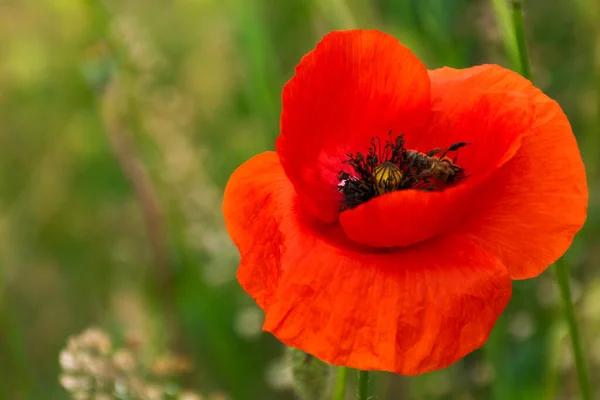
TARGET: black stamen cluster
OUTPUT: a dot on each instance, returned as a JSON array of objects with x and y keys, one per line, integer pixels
[
  {"x": 361, "y": 187},
  {"x": 392, "y": 167}
]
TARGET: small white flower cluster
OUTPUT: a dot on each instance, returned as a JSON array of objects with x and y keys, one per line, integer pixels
[{"x": 93, "y": 369}]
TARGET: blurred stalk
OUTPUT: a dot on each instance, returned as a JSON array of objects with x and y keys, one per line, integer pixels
[
  {"x": 495, "y": 352},
  {"x": 119, "y": 111},
  {"x": 340, "y": 384},
  {"x": 338, "y": 13},
  {"x": 591, "y": 12},
  {"x": 146, "y": 196},
  {"x": 363, "y": 385},
  {"x": 517, "y": 13},
  {"x": 589, "y": 15},
  {"x": 15, "y": 376},
  {"x": 506, "y": 27},
  {"x": 594, "y": 135},
  {"x": 260, "y": 59},
  {"x": 550, "y": 372},
  {"x": 562, "y": 276}
]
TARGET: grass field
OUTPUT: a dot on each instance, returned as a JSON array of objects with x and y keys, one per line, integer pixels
[{"x": 121, "y": 122}]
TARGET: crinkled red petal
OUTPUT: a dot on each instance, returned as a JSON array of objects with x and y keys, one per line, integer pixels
[
  {"x": 537, "y": 202},
  {"x": 354, "y": 85},
  {"x": 408, "y": 311},
  {"x": 492, "y": 122},
  {"x": 252, "y": 206}
]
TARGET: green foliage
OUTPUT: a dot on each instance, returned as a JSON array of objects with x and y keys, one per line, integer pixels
[
  {"x": 121, "y": 122},
  {"x": 311, "y": 376}
]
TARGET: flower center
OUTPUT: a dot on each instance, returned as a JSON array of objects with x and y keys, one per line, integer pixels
[{"x": 391, "y": 167}]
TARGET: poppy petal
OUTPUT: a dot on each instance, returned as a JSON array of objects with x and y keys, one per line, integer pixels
[
  {"x": 251, "y": 208},
  {"x": 353, "y": 86},
  {"x": 411, "y": 311},
  {"x": 537, "y": 202},
  {"x": 492, "y": 123}
]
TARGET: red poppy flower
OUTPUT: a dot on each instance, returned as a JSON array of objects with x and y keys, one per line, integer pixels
[{"x": 385, "y": 230}]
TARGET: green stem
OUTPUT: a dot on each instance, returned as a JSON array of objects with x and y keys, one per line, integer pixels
[
  {"x": 592, "y": 138},
  {"x": 338, "y": 13},
  {"x": 505, "y": 26},
  {"x": 518, "y": 25},
  {"x": 562, "y": 276},
  {"x": 363, "y": 385},
  {"x": 340, "y": 384},
  {"x": 495, "y": 352}
]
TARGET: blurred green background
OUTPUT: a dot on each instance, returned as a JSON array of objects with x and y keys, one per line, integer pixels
[{"x": 120, "y": 122}]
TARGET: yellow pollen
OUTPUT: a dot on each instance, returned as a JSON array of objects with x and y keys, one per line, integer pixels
[{"x": 387, "y": 176}]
